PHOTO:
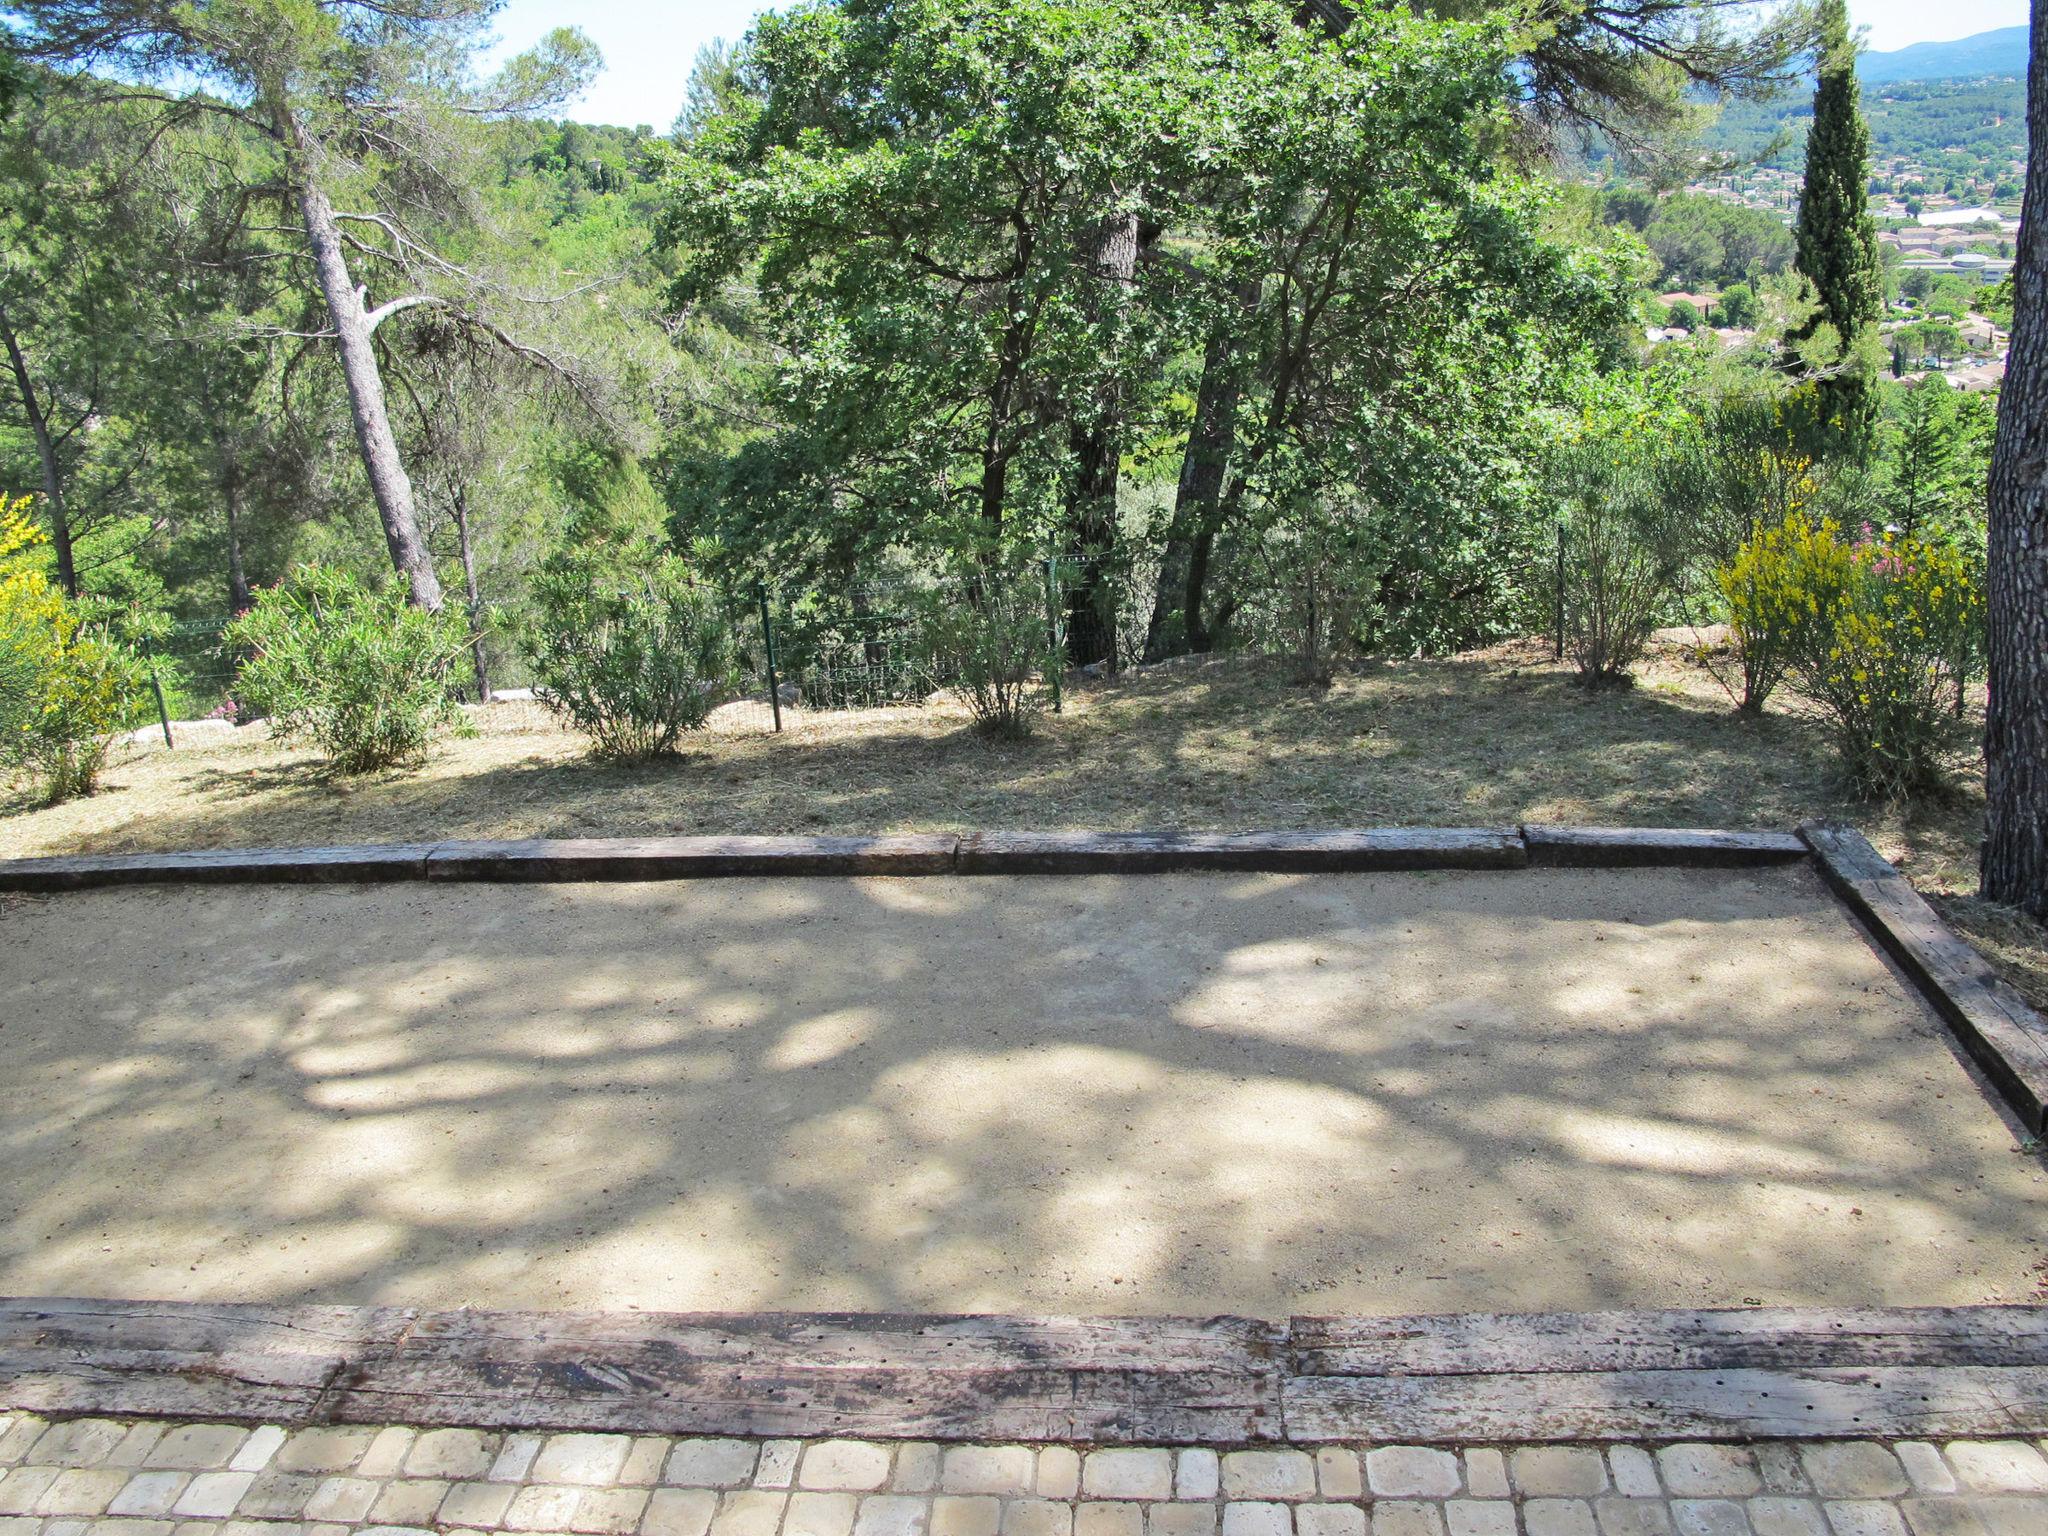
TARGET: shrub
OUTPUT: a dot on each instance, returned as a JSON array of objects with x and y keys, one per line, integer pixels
[
  {"x": 66, "y": 686},
  {"x": 1878, "y": 631},
  {"x": 634, "y": 651},
  {"x": 1311, "y": 581},
  {"x": 1620, "y": 560},
  {"x": 1775, "y": 587},
  {"x": 357, "y": 670},
  {"x": 990, "y": 646}
]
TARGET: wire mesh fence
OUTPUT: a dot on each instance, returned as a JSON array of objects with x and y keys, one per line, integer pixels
[
  {"x": 856, "y": 645},
  {"x": 192, "y": 670}
]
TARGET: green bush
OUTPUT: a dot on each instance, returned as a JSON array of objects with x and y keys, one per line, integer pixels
[
  {"x": 1621, "y": 559},
  {"x": 633, "y": 650},
  {"x": 357, "y": 670},
  {"x": 66, "y": 685},
  {"x": 1311, "y": 578},
  {"x": 990, "y": 645},
  {"x": 1879, "y": 631}
]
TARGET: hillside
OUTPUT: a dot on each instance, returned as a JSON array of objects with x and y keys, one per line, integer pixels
[{"x": 2003, "y": 52}]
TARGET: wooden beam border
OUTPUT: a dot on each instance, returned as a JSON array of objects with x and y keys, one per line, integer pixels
[
  {"x": 981, "y": 853},
  {"x": 1668, "y": 847},
  {"x": 1145, "y": 853},
  {"x": 1997, "y": 1026},
  {"x": 1457, "y": 1379}
]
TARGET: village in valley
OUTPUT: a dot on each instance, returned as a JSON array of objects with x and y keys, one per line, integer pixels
[{"x": 1947, "y": 209}]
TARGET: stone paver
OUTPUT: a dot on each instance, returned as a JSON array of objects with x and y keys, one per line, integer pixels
[
  {"x": 1853, "y": 1469},
  {"x": 980, "y": 1514},
  {"x": 1257, "y": 1517},
  {"x": 1329, "y": 1520},
  {"x": 820, "y": 1514},
  {"x": 102, "y": 1477},
  {"x": 710, "y": 1463},
  {"x": 1197, "y": 1474},
  {"x": 1339, "y": 1473},
  {"x": 998, "y": 1469},
  {"x": 1486, "y": 1474},
  {"x": 851, "y": 1466},
  {"x": 1999, "y": 1466},
  {"x": 1261, "y": 1475},
  {"x": 1558, "y": 1471},
  {"x": 1713, "y": 1470},
  {"x": 450, "y": 1453},
  {"x": 1401, "y": 1471},
  {"x": 1127, "y": 1473},
  {"x": 1106, "y": 1519},
  {"x": 1779, "y": 1516},
  {"x": 1480, "y": 1517}
]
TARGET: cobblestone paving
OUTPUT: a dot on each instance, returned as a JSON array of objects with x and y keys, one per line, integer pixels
[{"x": 104, "y": 1477}]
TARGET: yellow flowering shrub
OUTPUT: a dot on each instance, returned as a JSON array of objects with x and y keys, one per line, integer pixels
[
  {"x": 64, "y": 687},
  {"x": 1779, "y": 579},
  {"x": 1878, "y": 631}
]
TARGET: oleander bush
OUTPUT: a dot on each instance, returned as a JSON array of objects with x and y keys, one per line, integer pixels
[
  {"x": 989, "y": 642},
  {"x": 633, "y": 651},
  {"x": 357, "y": 670}
]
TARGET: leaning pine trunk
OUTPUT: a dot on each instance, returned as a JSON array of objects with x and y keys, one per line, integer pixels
[
  {"x": 2015, "y": 859},
  {"x": 352, "y": 328}
]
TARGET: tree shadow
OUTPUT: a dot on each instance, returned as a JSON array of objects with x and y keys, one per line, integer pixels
[{"x": 1166, "y": 1094}]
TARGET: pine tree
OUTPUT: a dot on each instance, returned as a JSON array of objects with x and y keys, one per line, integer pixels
[
  {"x": 1836, "y": 237},
  {"x": 2015, "y": 861}
]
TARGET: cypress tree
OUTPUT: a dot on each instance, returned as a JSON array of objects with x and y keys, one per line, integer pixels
[{"x": 1836, "y": 236}]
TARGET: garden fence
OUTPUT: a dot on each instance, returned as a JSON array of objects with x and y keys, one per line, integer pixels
[{"x": 833, "y": 647}]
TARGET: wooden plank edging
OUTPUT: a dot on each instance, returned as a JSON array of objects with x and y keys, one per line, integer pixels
[
  {"x": 690, "y": 858},
  {"x": 218, "y": 866},
  {"x": 1371, "y": 848},
  {"x": 1626, "y": 847},
  {"x": 1333, "y": 851},
  {"x": 1997, "y": 1026},
  {"x": 1453, "y": 1379}
]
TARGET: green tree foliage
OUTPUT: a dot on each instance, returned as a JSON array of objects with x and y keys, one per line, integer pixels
[
  {"x": 363, "y": 104},
  {"x": 1836, "y": 237},
  {"x": 1700, "y": 240},
  {"x": 1383, "y": 294},
  {"x": 1737, "y": 308},
  {"x": 1922, "y": 453},
  {"x": 79, "y": 309}
]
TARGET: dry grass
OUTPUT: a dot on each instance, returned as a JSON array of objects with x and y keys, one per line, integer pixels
[{"x": 1493, "y": 737}]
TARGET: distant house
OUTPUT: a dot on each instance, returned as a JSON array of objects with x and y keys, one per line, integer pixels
[{"x": 1947, "y": 217}]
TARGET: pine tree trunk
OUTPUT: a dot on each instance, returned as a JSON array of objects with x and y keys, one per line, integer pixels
[
  {"x": 1097, "y": 446},
  {"x": 388, "y": 481},
  {"x": 46, "y": 458},
  {"x": 2015, "y": 858}
]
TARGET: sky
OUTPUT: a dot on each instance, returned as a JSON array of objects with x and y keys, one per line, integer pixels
[{"x": 649, "y": 45}]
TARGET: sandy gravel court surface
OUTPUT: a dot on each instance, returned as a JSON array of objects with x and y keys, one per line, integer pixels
[{"x": 1181, "y": 1094}]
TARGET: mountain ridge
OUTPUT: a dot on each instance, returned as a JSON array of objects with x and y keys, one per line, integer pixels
[{"x": 2002, "y": 51}]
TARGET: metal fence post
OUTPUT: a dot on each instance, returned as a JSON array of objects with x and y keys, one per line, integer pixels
[
  {"x": 163, "y": 710},
  {"x": 1056, "y": 650},
  {"x": 1557, "y": 582},
  {"x": 768, "y": 647}
]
